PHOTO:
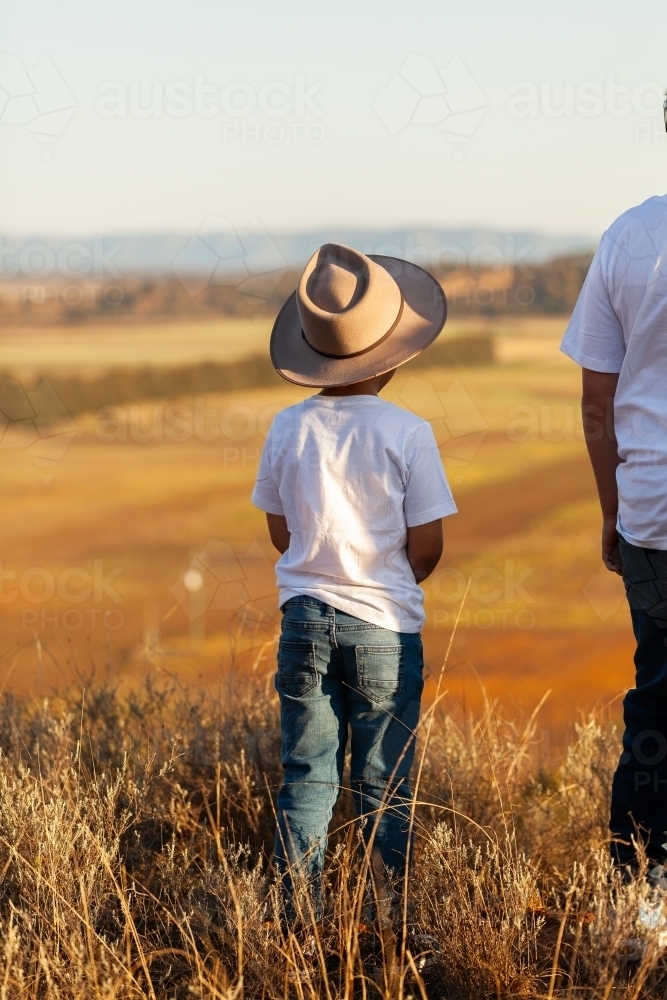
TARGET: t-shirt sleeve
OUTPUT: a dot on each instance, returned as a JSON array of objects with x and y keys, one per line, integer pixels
[
  {"x": 266, "y": 495},
  {"x": 594, "y": 336},
  {"x": 427, "y": 493}
]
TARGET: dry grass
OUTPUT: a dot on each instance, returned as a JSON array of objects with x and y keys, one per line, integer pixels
[{"x": 135, "y": 840}]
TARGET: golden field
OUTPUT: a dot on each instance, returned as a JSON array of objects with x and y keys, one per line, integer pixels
[
  {"x": 82, "y": 347},
  {"x": 94, "y": 547},
  {"x": 139, "y": 725}
]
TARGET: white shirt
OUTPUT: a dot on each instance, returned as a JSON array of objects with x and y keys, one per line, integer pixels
[
  {"x": 620, "y": 325},
  {"x": 351, "y": 474}
]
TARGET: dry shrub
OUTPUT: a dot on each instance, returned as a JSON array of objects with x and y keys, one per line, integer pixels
[
  {"x": 483, "y": 904},
  {"x": 135, "y": 840}
]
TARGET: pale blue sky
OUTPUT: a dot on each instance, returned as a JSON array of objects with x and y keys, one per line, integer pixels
[{"x": 567, "y": 174}]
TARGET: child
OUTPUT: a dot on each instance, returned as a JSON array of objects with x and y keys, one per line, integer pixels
[{"x": 354, "y": 493}]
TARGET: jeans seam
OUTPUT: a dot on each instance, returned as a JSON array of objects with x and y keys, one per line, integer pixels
[
  {"x": 331, "y": 616},
  {"x": 364, "y": 627},
  {"x": 314, "y": 626}
]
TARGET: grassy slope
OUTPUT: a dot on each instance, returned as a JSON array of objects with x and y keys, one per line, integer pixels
[{"x": 135, "y": 842}]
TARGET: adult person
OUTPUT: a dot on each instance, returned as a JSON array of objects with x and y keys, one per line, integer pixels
[{"x": 618, "y": 334}]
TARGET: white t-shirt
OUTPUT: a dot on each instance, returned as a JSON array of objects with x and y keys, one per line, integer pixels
[
  {"x": 351, "y": 474},
  {"x": 620, "y": 325}
]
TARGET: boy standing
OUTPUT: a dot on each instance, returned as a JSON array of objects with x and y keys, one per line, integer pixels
[{"x": 354, "y": 492}]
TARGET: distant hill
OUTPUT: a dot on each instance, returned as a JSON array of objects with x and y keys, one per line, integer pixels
[
  {"x": 253, "y": 248},
  {"x": 227, "y": 272}
]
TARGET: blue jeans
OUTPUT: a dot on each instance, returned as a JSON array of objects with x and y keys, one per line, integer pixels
[
  {"x": 639, "y": 790},
  {"x": 336, "y": 671}
]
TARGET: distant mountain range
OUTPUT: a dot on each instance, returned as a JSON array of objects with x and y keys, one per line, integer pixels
[{"x": 219, "y": 247}]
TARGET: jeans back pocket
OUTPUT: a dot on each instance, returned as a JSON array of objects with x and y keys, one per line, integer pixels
[
  {"x": 380, "y": 671},
  {"x": 296, "y": 675}
]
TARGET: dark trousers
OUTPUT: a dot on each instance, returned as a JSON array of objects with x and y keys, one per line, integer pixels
[{"x": 639, "y": 790}]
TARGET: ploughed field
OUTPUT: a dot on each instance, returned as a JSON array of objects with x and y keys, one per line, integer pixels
[{"x": 138, "y": 547}]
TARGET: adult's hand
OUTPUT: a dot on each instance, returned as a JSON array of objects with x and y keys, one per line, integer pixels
[
  {"x": 597, "y": 407},
  {"x": 611, "y": 556}
]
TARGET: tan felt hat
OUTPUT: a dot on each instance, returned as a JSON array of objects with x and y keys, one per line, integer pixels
[{"x": 354, "y": 316}]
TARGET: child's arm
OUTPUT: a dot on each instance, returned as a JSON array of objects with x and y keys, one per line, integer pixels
[
  {"x": 278, "y": 531},
  {"x": 597, "y": 404},
  {"x": 424, "y": 548}
]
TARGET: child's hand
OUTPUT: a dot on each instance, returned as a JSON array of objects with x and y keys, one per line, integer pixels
[
  {"x": 278, "y": 531},
  {"x": 424, "y": 548}
]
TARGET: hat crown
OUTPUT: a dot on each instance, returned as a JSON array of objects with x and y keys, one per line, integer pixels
[
  {"x": 334, "y": 285},
  {"x": 347, "y": 303}
]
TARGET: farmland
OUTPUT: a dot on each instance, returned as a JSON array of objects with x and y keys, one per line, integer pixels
[{"x": 95, "y": 547}]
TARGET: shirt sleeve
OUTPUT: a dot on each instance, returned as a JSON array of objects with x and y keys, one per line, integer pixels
[
  {"x": 594, "y": 336},
  {"x": 427, "y": 493},
  {"x": 266, "y": 495}
]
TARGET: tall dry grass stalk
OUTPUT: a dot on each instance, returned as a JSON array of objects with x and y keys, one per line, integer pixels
[{"x": 135, "y": 845}]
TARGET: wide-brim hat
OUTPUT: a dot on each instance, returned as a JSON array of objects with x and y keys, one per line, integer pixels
[{"x": 354, "y": 316}]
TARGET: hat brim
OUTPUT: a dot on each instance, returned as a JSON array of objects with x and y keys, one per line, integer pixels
[{"x": 423, "y": 317}]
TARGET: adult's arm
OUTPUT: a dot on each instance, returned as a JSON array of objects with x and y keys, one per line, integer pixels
[
  {"x": 278, "y": 531},
  {"x": 597, "y": 407},
  {"x": 424, "y": 548}
]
